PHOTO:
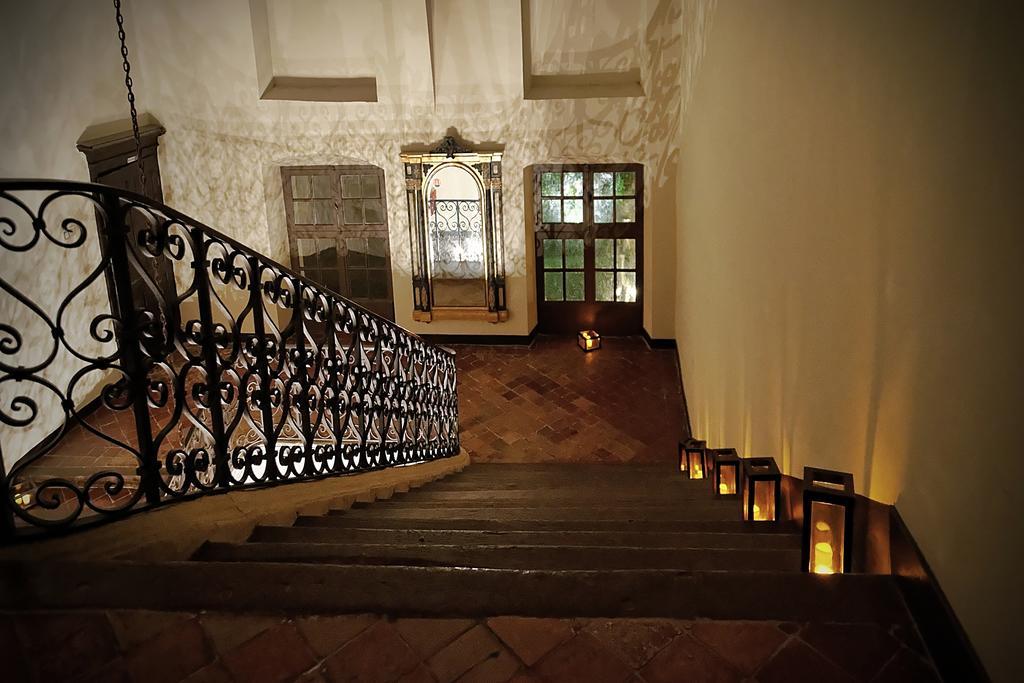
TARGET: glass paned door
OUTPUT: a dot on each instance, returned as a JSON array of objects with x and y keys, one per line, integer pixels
[
  {"x": 588, "y": 221},
  {"x": 563, "y": 270},
  {"x": 615, "y": 269}
]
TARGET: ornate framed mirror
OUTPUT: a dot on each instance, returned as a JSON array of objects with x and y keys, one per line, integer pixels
[{"x": 453, "y": 196}]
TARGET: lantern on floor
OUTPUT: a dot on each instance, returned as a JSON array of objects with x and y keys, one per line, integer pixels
[
  {"x": 589, "y": 340},
  {"x": 696, "y": 459},
  {"x": 24, "y": 494},
  {"x": 828, "y": 521},
  {"x": 762, "y": 489},
  {"x": 727, "y": 472}
]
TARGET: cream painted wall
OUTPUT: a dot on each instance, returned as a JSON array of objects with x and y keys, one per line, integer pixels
[{"x": 849, "y": 259}]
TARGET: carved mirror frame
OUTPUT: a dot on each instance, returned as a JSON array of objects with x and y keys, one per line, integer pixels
[{"x": 485, "y": 167}]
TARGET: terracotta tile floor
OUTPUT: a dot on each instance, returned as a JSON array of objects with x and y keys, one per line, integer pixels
[
  {"x": 81, "y": 453},
  {"x": 158, "y": 646},
  {"x": 552, "y": 402}
]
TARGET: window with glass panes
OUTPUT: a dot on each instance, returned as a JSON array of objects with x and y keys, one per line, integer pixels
[
  {"x": 563, "y": 270},
  {"x": 614, "y": 196},
  {"x": 337, "y": 230},
  {"x": 615, "y": 269},
  {"x": 562, "y": 197},
  {"x": 588, "y": 221}
]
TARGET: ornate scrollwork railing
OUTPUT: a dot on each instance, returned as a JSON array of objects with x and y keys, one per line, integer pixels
[
  {"x": 455, "y": 227},
  {"x": 146, "y": 358}
]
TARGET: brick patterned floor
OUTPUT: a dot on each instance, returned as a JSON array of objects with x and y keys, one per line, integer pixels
[
  {"x": 157, "y": 647},
  {"x": 552, "y": 402},
  {"x": 81, "y": 453}
]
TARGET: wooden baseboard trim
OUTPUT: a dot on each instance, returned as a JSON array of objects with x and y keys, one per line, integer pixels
[{"x": 654, "y": 343}]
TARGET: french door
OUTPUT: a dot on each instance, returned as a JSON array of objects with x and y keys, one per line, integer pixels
[{"x": 588, "y": 226}]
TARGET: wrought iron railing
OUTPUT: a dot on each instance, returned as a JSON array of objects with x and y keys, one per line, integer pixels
[{"x": 146, "y": 358}]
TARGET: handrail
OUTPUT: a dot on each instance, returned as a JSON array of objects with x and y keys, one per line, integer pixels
[{"x": 215, "y": 367}]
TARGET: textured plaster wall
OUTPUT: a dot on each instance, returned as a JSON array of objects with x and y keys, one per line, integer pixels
[
  {"x": 585, "y": 36},
  {"x": 224, "y": 147},
  {"x": 849, "y": 259},
  {"x": 330, "y": 38}
]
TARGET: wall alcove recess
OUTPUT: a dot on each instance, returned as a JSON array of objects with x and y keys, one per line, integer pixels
[{"x": 453, "y": 195}]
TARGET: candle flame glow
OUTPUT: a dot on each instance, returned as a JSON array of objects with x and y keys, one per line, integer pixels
[{"x": 823, "y": 558}]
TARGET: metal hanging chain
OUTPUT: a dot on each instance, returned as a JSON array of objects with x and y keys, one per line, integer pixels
[{"x": 131, "y": 94}]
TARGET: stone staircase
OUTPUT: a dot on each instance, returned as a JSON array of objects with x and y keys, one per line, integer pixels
[
  {"x": 556, "y": 540},
  {"x": 533, "y": 517},
  {"x": 542, "y": 540},
  {"x": 495, "y": 573}
]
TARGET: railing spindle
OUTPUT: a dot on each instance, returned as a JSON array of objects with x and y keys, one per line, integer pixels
[
  {"x": 261, "y": 348},
  {"x": 115, "y": 234},
  {"x": 302, "y": 367},
  {"x": 211, "y": 358}
]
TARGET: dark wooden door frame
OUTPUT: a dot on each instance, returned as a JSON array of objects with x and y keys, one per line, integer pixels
[{"x": 612, "y": 318}]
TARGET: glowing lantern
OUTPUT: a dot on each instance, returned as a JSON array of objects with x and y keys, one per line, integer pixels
[
  {"x": 828, "y": 521},
  {"x": 727, "y": 472},
  {"x": 589, "y": 340},
  {"x": 696, "y": 453},
  {"x": 762, "y": 489},
  {"x": 23, "y": 494}
]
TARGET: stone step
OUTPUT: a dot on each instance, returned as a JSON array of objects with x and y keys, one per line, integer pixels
[
  {"x": 437, "y": 522},
  {"x": 269, "y": 587},
  {"x": 497, "y": 472},
  {"x": 552, "y": 496},
  {"x": 632, "y": 497},
  {"x": 614, "y": 478},
  {"x": 704, "y": 492},
  {"x": 541, "y": 503},
  {"x": 513, "y": 469},
  {"x": 639, "y": 539},
  {"x": 665, "y": 481},
  {"x": 706, "y": 511},
  {"x": 603, "y": 558}
]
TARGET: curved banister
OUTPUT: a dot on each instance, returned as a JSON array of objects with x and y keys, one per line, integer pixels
[{"x": 251, "y": 375}]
